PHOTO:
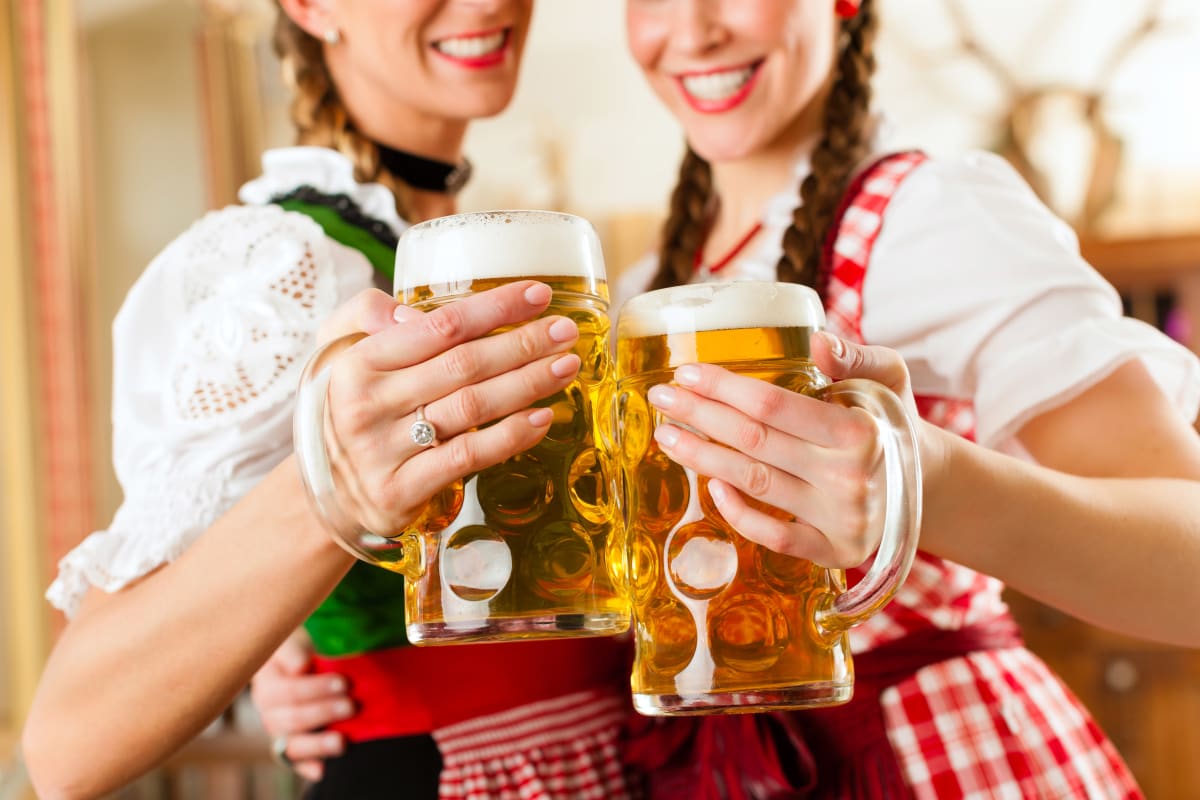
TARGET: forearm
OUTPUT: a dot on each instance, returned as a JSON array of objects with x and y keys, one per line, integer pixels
[
  {"x": 1122, "y": 553},
  {"x": 146, "y": 668}
]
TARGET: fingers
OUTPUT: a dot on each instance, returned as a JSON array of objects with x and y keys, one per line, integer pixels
[
  {"x": 369, "y": 311},
  {"x": 476, "y": 361},
  {"x": 307, "y": 751},
  {"x": 744, "y": 433},
  {"x": 481, "y": 403},
  {"x": 805, "y": 417},
  {"x": 294, "y": 690},
  {"x": 761, "y": 481},
  {"x": 797, "y": 539},
  {"x": 832, "y": 525},
  {"x": 421, "y": 477},
  {"x": 293, "y": 657},
  {"x": 421, "y": 338},
  {"x": 297, "y": 718},
  {"x": 311, "y": 771}
]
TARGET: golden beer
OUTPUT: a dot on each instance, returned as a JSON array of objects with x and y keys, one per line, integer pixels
[
  {"x": 532, "y": 547},
  {"x": 722, "y": 624}
]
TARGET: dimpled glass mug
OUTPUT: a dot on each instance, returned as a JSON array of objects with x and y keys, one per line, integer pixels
[
  {"x": 530, "y": 548},
  {"x": 723, "y": 624}
]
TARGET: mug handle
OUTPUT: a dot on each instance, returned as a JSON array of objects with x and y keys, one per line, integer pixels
[
  {"x": 902, "y": 510},
  {"x": 310, "y": 425}
]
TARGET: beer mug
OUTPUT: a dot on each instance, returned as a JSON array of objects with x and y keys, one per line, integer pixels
[
  {"x": 530, "y": 548},
  {"x": 723, "y": 624}
]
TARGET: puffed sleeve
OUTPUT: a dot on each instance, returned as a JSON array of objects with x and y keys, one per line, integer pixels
[
  {"x": 984, "y": 292},
  {"x": 208, "y": 348}
]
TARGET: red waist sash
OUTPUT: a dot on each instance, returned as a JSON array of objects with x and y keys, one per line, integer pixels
[
  {"x": 403, "y": 691},
  {"x": 780, "y": 755}
]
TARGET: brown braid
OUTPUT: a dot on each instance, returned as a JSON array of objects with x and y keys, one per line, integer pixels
[
  {"x": 317, "y": 110},
  {"x": 845, "y": 142},
  {"x": 683, "y": 232}
]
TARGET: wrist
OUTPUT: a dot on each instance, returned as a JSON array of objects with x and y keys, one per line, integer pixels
[{"x": 303, "y": 521}]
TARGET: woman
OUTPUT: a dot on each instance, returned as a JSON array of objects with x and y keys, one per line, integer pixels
[
  {"x": 1057, "y": 441},
  {"x": 214, "y": 558}
]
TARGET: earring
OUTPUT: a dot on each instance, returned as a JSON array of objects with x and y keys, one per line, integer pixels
[
  {"x": 847, "y": 9},
  {"x": 332, "y": 36}
]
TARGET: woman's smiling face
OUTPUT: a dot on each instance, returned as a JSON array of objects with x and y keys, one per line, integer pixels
[
  {"x": 736, "y": 73},
  {"x": 449, "y": 59}
]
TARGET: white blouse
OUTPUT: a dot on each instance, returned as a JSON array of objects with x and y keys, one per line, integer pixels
[
  {"x": 983, "y": 291},
  {"x": 208, "y": 348}
]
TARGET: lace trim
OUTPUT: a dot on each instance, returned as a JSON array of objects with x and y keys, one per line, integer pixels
[
  {"x": 256, "y": 282},
  {"x": 149, "y": 530}
]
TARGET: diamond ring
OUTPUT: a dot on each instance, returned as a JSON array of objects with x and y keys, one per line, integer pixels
[{"x": 422, "y": 432}]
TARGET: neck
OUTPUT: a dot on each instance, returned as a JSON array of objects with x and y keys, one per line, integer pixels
[
  {"x": 399, "y": 125},
  {"x": 430, "y": 205},
  {"x": 420, "y": 134},
  {"x": 423, "y": 135},
  {"x": 744, "y": 185}
]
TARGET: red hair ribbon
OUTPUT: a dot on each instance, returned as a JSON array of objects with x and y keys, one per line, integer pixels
[{"x": 846, "y": 9}]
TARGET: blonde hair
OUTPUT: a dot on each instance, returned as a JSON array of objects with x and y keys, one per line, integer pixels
[{"x": 317, "y": 110}]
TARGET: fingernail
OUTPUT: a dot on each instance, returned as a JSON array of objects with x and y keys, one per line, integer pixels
[
  {"x": 405, "y": 314},
  {"x": 337, "y": 685},
  {"x": 540, "y": 418},
  {"x": 566, "y": 366},
  {"x": 688, "y": 375},
  {"x": 333, "y": 743},
  {"x": 666, "y": 435},
  {"x": 538, "y": 294},
  {"x": 564, "y": 330},
  {"x": 717, "y": 492},
  {"x": 836, "y": 345},
  {"x": 661, "y": 396},
  {"x": 343, "y": 708}
]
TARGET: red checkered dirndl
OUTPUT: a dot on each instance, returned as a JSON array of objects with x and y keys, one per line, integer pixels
[
  {"x": 560, "y": 749},
  {"x": 995, "y": 723}
]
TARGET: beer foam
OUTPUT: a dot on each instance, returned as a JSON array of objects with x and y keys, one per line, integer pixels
[
  {"x": 497, "y": 244},
  {"x": 721, "y": 306}
]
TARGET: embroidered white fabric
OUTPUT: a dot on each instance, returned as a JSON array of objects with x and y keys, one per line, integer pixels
[
  {"x": 208, "y": 348},
  {"x": 983, "y": 291}
]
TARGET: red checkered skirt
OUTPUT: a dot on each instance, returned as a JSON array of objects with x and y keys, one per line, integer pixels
[
  {"x": 561, "y": 749},
  {"x": 995, "y": 723}
]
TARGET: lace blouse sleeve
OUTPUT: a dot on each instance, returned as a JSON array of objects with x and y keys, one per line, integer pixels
[{"x": 207, "y": 351}]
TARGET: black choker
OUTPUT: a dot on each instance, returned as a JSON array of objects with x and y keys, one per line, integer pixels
[{"x": 425, "y": 174}]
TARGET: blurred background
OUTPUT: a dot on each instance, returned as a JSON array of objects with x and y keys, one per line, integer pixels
[{"x": 121, "y": 121}]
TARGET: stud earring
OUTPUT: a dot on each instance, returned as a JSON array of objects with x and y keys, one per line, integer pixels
[
  {"x": 332, "y": 36},
  {"x": 847, "y": 9}
]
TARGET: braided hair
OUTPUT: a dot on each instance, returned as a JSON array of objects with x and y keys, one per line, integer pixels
[
  {"x": 845, "y": 142},
  {"x": 317, "y": 110}
]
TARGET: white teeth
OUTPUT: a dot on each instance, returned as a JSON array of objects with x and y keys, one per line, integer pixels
[
  {"x": 717, "y": 85},
  {"x": 471, "y": 47}
]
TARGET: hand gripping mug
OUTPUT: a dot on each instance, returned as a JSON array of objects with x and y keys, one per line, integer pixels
[
  {"x": 723, "y": 624},
  {"x": 530, "y": 548}
]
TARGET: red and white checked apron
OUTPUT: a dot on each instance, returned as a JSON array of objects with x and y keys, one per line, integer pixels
[{"x": 995, "y": 723}]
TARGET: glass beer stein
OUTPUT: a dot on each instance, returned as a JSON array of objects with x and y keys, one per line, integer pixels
[
  {"x": 723, "y": 624},
  {"x": 530, "y": 548}
]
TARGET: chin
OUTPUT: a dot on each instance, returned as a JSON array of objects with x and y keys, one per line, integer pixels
[
  {"x": 719, "y": 146},
  {"x": 483, "y": 107}
]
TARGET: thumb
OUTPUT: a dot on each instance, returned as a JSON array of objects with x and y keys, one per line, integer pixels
[
  {"x": 840, "y": 359},
  {"x": 294, "y": 656},
  {"x": 370, "y": 311}
]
